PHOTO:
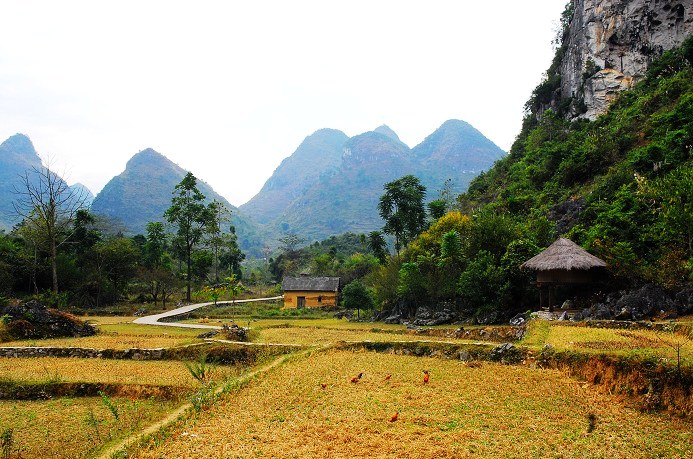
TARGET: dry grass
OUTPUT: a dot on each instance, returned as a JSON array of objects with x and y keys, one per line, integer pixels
[
  {"x": 73, "y": 427},
  {"x": 103, "y": 371},
  {"x": 316, "y": 335},
  {"x": 486, "y": 411},
  {"x": 114, "y": 334},
  {"x": 620, "y": 342}
]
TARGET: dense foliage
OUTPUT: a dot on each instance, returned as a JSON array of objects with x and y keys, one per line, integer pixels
[{"x": 621, "y": 186}]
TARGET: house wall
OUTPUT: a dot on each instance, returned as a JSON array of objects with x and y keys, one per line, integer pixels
[{"x": 313, "y": 299}]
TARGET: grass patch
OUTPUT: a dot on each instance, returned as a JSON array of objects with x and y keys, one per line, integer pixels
[
  {"x": 47, "y": 369},
  {"x": 637, "y": 343},
  {"x": 118, "y": 334},
  {"x": 486, "y": 411},
  {"x": 74, "y": 427}
]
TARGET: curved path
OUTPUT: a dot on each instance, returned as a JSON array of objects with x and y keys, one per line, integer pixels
[{"x": 154, "y": 319}]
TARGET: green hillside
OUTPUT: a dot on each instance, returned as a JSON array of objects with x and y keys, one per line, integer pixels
[{"x": 621, "y": 186}]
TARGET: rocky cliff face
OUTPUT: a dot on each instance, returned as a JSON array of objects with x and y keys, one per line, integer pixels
[{"x": 609, "y": 44}]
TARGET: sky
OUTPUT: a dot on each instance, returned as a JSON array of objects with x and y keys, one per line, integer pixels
[{"x": 228, "y": 89}]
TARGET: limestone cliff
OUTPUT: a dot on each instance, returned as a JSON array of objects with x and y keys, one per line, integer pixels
[{"x": 608, "y": 44}]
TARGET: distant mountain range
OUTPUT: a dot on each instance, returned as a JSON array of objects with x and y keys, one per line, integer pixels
[
  {"x": 18, "y": 158},
  {"x": 331, "y": 184},
  {"x": 143, "y": 192}
]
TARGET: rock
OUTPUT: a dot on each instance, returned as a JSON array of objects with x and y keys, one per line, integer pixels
[
  {"x": 506, "y": 353},
  {"x": 427, "y": 318},
  {"x": 34, "y": 320},
  {"x": 464, "y": 355},
  {"x": 564, "y": 316},
  {"x": 235, "y": 333},
  {"x": 623, "y": 314},
  {"x": 519, "y": 319},
  {"x": 486, "y": 318},
  {"x": 684, "y": 301},
  {"x": 140, "y": 312},
  {"x": 609, "y": 45},
  {"x": 601, "y": 312},
  {"x": 393, "y": 319},
  {"x": 645, "y": 302},
  {"x": 209, "y": 334},
  {"x": 346, "y": 314}
]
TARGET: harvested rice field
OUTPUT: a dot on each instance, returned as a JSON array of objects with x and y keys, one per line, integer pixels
[
  {"x": 613, "y": 341},
  {"x": 120, "y": 335},
  {"x": 72, "y": 427},
  {"x": 465, "y": 410},
  {"x": 60, "y": 369}
]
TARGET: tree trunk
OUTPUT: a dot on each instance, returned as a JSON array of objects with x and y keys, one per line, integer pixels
[
  {"x": 188, "y": 297},
  {"x": 54, "y": 265}
]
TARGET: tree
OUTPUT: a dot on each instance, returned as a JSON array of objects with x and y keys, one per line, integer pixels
[
  {"x": 377, "y": 244},
  {"x": 50, "y": 206},
  {"x": 355, "y": 295},
  {"x": 402, "y": 209},
  {"x": 437, "y": 208},
  {"x": 193, "y": 219},
  {"x": 231, "y": 255},
  {"x": 216, "y": 241}
]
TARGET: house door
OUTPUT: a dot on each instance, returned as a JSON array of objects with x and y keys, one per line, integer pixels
[{"x": 301, "y": 302}]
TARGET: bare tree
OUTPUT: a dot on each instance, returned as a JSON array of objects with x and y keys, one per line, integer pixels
[{"x": 46, "y": 203}]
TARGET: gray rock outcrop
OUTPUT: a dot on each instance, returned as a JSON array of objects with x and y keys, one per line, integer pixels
[{"x": 610, "y": 44}]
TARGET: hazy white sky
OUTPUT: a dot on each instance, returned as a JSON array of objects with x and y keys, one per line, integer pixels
[{"x": 227, "y": 89}]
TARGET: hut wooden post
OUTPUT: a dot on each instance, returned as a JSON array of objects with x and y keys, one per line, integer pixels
[{"x": 562, "y": 263}]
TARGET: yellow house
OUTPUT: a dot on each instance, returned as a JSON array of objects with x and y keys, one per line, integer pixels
[{"x": 310, "y": 292}]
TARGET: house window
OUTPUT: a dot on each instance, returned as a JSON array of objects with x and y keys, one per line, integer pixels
[{"x": 319, "y": 299}]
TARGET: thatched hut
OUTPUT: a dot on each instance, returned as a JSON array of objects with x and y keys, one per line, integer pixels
[{"x": 562, "y": 263}]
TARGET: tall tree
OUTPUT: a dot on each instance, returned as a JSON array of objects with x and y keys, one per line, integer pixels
[
  {"x": 48, "y": 204},
  {"x": 377, "y": 244},
  {"x": 193, "y": 219},
  {"x": 403, "y": 210}
]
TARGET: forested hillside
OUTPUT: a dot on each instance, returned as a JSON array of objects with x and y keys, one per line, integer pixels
[{"x": 621, "y": 186}]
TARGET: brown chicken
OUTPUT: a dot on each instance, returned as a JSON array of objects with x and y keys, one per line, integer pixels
[
  {"x": 356, "y": 379},
  {"x": 388, "y": 377},
  {"x": 426, "y": 377},
  {"x": 323, "y": 385},
  {"x": 394, "y": 416}
]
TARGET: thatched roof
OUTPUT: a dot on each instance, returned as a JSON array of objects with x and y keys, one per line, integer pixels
[
  {"x": 564, "y": 255},
  {"x": 311, "y": 284}
]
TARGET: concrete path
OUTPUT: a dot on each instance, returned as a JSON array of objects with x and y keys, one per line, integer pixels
[{"x": 154, "y": 319}]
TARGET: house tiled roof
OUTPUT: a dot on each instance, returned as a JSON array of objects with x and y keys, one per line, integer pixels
[{"x": 311, "y": 284}]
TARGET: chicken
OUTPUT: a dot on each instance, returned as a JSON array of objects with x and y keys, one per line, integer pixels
[
  {"x": 394, "y": 416},
  {"x": 356, "y": 379},
  {"x": 323, "y": 385},
  {"x": 388, "y": 377},
  {"x": 426, "y": 377}
]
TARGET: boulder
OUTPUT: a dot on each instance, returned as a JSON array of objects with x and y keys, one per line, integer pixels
[
  {"x": 235, "y": 333},
  {"x": 684, "y": 301},
  {"x": 645, "y": 302},
  {"x": 209, "y": 334},
  {"x": 519, "y": 319},
  {"x": 506, "y": 353},
  {"x": 393, "y": 319},
  {"x": 34, "y": 320},
  {"x": 486, "y": 317}
]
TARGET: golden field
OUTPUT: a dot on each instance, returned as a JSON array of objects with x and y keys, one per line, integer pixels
[
  {"x": 73, "y": 427},
  {"x": 59, "y": 369},
  {"x": 464, "y": 411}
]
